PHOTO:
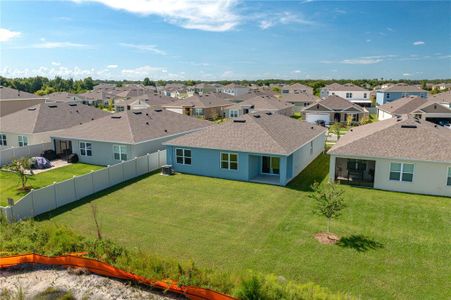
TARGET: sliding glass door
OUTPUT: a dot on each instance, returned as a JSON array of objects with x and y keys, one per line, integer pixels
[{"x": 271, "y": 165}]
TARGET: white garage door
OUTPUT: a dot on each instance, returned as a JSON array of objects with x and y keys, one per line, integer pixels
[{"x": 312, "y": 117}]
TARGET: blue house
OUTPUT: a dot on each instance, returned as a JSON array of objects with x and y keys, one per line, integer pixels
[
  {"x": 262, "y": 147},
  {"x": 397, "y": 91}
]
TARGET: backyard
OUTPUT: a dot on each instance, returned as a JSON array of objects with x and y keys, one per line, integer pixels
[
  {"x": 395, "y": 245},
  {"x": 10, "y": 182}
]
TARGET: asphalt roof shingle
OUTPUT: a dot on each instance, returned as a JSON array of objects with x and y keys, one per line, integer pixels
[
  {"x": 255, "y": 133},
  {"x": 397, "y": 138}
]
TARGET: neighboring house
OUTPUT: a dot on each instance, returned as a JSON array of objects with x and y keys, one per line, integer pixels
[
  {"x": 250, "y": 94},
  {"x": 300, "y": 100},
  {"x": 96, "y": 98},
  {"x": 296, "y": 88},
  {"x": 398, "y": 154},
  {"x": 265, "y": 148},
  {"x": 174, "y": 90},
  {"x": 334, "y": 109},
  {"x": 142, "y": 102},
  {"x": 63, "y": 97},
  {"x": 208, "y": 106},
  {"x": 260, "y": 104},
  {"x": 35, "y": 124},
  {"x": 442, "y": 86},
  {"x": 348, "y": 91},
  {"x": 397, "y": 91},
  {"x": 418, "y": 107},
  {"x": 125, "y": 135},
  {"x": 203, "y": 88},
  {"x": 106, "y": 87},
  {"x": 235, "y": 89},
  {"x": 442, "y": 99},
  {"x": 12, "y": 100}
]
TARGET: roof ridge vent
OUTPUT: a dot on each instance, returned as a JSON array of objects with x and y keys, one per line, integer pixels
[
  {"x": 239, "y": 121},
  {"x": 116, "y": 117},
  {"x": 257, "y": 116},
  {"x": 137, "y": 112},
  {"x": 53, "y": 106},
  {"x": 408, "y": 126},
  {"x": 32, "y": 109},
  {"x": 158, "y": 110}
]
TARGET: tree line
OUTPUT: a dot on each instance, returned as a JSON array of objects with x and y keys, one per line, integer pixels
[{"x": 43, "y": 85}]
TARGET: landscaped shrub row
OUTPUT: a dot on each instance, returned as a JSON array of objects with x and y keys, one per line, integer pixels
[{"x": 51, "y": 239}]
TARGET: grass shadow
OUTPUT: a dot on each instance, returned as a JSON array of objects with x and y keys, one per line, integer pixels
[
  {"x": 360, "y": 243},
  {"x": 72, "y": 205},
  {"x": 317, "y": 170}
]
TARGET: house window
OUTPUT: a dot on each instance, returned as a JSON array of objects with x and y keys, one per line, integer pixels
[
  {"x": 449, "y": 177},
  {"x": 183, "y": 156},
  {"x": 401, "y": 172},
  {"x": 23, "y": 140},
  {"x": 348, "y": 95},
  {"x": 85, "y": 149},
  {"x": 229, "y": 161},
  {"x": 120, "y": 152},
  {"x": 198, "y": 112},
  {"x": 3, "y": 140},
  {"x": 365, "y": 95},
  {"x": 388, "y": 95},
  {"x": 233, "y": 113}
]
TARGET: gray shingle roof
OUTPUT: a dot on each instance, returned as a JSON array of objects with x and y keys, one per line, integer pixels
[
  {"x": 48, "y": 117},
  {"x": 135, "y": 126},
  {"x": 404, "y": 105},
  {"x": 402, "y": 87},
  {"x": 301, "y": 97},
  {"x": 444, "y": 97},
  {"x": 397, "y": 138},
  {"x": 263, "y": 103},
  {"x": 255, "y": 133},
  {"x": 200, "y": 101},
  {"x": 345, "y": 87},
  {"x": 335, "y": 103},
  {"x": 7, "y": 93}
]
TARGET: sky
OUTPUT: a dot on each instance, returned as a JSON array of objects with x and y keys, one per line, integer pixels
[{"x": 225, "y": 39}]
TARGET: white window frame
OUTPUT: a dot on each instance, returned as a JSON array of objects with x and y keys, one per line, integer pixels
[
  {"x": 3, "y": 140},
  {"x": 401, "y": 171},
  {"x": 365, "y": 95},
  {"x": 121, "y": 153},
  {"x": 85, "y": 147},
  {"x": 228, "y": 161},
  {"x": 22, "y": 140},
  {"x": 184, "y": 156},
  {"x": 448, "y": 178},
  {"x": 233, "y": 113},
  {"x": 348, "y": 95}
]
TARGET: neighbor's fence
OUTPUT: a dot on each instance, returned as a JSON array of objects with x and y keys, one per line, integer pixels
[
  {"x": 7, "y": 155},
  {"x": 58, "y": 194}
]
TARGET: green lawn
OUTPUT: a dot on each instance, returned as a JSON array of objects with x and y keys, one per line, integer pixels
[
  {"x": 397, "y": 245},
  {"x": 10, "y": 182}
]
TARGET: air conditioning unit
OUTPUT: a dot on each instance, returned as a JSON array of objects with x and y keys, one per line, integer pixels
[{"x": 167, "y": 170}]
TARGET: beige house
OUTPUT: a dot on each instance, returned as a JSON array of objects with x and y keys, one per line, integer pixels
[
  {"x": 142, "y": 102},
  {"x": 300, "y": 100},
  {"x": 334, "y": 109},
  {"x": 399, "y": 154},
  {"x": 207, "y": 106},
  {"x": 260, "y": 104},
  {"x": 12, "y": 100}
]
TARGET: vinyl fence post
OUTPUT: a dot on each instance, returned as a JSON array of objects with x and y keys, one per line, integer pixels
[
  {"x": 148, "y": 162},
  {"x": 159, "y": 164},
  {"x": 123, "y": 173},
  {"x": 136, "y": 167},
  {"x": 54, "y": 194},
  {"x": 32, "y": 202},
  {"x": 75, "y": 188},
  {"x": 92, "y": 182},
  {"x": 109, "y": 178}
]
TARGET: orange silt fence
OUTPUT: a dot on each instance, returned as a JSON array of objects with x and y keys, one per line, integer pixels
[{"x": 104, "y": 269}]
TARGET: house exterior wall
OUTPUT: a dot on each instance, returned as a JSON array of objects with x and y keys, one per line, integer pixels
[
  {"x": 382, "y": 115},
  {"x": 357, "y": 96},
  {"x": 384, "y": 97},
  {"x": 428, "y": 178},
  {"x": 302, "y": 157},
  {"x": 12, "y": 139}
]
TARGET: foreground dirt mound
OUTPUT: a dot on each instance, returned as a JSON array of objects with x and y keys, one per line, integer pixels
[{"x": 56, "y": 283}]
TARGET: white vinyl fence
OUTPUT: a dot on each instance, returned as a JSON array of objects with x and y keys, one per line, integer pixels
[
  {"x": 56, "y": 195},
  {"x": 7, "y": 155}
]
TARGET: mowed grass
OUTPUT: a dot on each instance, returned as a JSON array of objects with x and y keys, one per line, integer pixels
[
  {"x": 398, "y": 244},
  {"x": 10, "y": 183}
]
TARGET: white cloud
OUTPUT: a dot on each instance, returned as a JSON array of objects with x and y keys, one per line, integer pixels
[
  {"x": 55, "y": 45},
  {"x": 297, "y": 71},
  {"x": 362, "y": 61},
  {"x": 54, "y": 63},
  {"x": 6, "y": 34},
  {"x": 146, "y": 71},
  {"x": 111, "y": 66},
  {"x": 150, "y": 48},
  {"x": 418, "y": 43},
  {"x": 368, "y": 40},
  {"x": 65, "y": 72},
  {"x": 406, "y": 74},
  {"x": 194, "y": 14},
  {"x": 284, "y": 18}
]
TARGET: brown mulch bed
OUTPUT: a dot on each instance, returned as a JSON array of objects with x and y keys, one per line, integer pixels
[{"x": 326, "y": 238}]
